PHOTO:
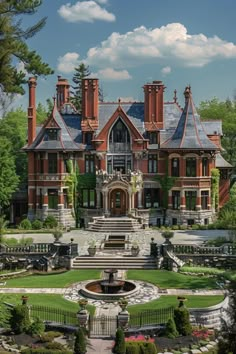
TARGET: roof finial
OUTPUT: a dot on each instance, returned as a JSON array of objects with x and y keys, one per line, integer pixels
[
  {"x": 187, "y": 92},
  {"x": 175, "y": 96},
  {"x": 119, "y": 101}
]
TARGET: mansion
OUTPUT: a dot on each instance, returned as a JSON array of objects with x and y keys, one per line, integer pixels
[{"x": 151, "y": 160}]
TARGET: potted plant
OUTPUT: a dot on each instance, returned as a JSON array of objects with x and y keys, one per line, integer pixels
[
  {"x": 92, "y": 248},
  {"x": 123, "y": 304},
  {"x": 82, "y": 303},
  {"x": 135, "y": 249},
  {"x": 57, "y": 234}
]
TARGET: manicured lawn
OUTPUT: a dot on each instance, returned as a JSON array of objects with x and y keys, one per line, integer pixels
[
  {"x": 53, "y": 301},
  {"x": 54, "y": 280},
  {"x": 171, "y": 300},
  {"x": 168, "y": 280}
]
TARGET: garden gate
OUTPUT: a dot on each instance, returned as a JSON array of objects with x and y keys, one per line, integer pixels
[{"x": 102, "y": 326}]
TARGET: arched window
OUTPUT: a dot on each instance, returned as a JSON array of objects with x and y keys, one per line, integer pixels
[
  {"x": 175, "y": 167},
  {"x": 119, "y": 138}
]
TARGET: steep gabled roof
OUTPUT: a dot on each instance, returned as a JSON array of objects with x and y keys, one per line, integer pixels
[
  {"x": 65, "y": 140},
  {"x": 189, "y": 133}
]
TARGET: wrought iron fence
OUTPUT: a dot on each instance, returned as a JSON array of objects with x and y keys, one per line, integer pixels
[
  {"x": 151, "y": 317},
  {"x": 54, "y": 315}
]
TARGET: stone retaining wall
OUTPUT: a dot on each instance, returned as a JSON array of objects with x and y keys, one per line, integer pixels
[{"x": 209, "y": 317}]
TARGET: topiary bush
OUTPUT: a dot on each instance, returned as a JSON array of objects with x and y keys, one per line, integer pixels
[
  {"x": 20, "y": 320},
  {"x": 50, "y": 222},
  {"x": 182, "y": 321},
  {"x": 25, "y": 224},
  {"x": 170, "y": 330},
  {"x": 132, "y": 348},
  {"x": 37, "y": 225},
  {"x": 80, "y": 342},
  {"x": 148, "y": 348},
  {"x": 119, "y": 347}
]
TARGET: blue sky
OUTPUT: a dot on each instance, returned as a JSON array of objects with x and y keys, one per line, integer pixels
[{"x": 127, "y": 43}]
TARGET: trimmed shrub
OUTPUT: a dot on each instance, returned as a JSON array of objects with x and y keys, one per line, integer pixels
[
  {"x": 20, "y": 320},
  {"x": 37, "y": 225},
  {"x": 170, "y": 330},
  {"x": 80, "y": 342},
  {"x": 182, "y": 321},
  {"x": 49, "y": 336},
  {"x": 50, "y": 222},
  {"x": 54, "y": 345},
  {"x": 25, "y": 224},
  {"x": 119, "y": 347},
  {"x": 132, "y": 348},
  {"x": 37, "y": 327},
  {"x": 148, "y": 348}
]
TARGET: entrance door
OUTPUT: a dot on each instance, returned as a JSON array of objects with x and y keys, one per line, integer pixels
[{"x": 118, "y": 202}]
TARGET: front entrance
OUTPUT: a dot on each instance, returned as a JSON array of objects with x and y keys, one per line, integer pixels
[{"x": 118, "y": 202}]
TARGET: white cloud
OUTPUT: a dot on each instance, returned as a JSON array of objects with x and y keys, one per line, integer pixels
[
  {"x": 166, "y": 70},
  {"x": 21, "y": 67},
  {"x": 111, "y": 74},
  {"x": 102, "y": 1},
  {"x": 86, "y": 11},
  {"x": 68, "y": 62},
  {"x": 167, "y": 44}
]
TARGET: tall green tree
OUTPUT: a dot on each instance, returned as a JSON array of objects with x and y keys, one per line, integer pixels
[
  {"x": 8, "y": 178},
  {"x": 80, "y": 342},
  {"x": 81, "y": 72},
  {"x": 13, "y": 45},
  {"x": 225, "y": 111}
]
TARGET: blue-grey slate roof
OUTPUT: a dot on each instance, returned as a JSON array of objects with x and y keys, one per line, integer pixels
[
  {"x": 66, "y": 140},
  {"x": 221, "y": 162},
  {"x": 189, "y": 133},
  {"x": 182, "y": 128}
]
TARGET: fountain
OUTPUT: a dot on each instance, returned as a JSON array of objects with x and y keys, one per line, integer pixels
[{"x": 109, "y": 288}]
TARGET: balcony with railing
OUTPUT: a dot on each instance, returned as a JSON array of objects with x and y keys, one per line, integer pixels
[{"x": 119, "y": 147}]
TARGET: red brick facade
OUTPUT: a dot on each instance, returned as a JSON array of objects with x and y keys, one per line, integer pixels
[{"x": 131, "y": 148}]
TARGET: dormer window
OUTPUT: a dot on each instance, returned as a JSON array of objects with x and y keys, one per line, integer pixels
[
  {"x": 152, "y": 136},
  {"x": 51, "y": 134}
]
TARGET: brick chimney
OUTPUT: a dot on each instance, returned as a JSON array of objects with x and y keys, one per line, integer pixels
[
  {"x": 90, "y": 89},
  {"x": 154, "y": 105},
  {"x": 32, "y": 110},
  {"x": 63, "y": 92}
]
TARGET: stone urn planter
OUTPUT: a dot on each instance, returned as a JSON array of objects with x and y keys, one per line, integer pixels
[
  {"x": 92, "y": 248},
  {"x": 135, "y": 249}
]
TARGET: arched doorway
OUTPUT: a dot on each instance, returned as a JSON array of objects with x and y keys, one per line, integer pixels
[{"x": 118, "y": 202}]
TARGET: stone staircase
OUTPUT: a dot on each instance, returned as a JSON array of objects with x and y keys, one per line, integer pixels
[
  {"x": 114, "y": 224},
  {"x": 111, "y": 261}
]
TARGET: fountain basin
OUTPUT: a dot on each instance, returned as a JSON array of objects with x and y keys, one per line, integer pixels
[{"x": 93, "y": 290}]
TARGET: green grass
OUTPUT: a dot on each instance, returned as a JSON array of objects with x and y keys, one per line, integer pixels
[
  {"x": 47, "y": 300},
  {"x": 167, "y": 279},
  {"x": 53, "y": 280},
  {"x": 205, "y": 270},
  {"x": 194, "y": 301}
]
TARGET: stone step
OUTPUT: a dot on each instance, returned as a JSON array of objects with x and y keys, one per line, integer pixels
[
  {"x": 123, "y": 224},
  {"x": 111, "y": 262}
]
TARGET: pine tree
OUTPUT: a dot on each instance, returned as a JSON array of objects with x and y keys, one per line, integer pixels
[
  {"x": 80, "y": 342},
  {"x": 13, "y": 45},
  {"x": 119, "y": 347},
  {"x": 81, "y": 72}
]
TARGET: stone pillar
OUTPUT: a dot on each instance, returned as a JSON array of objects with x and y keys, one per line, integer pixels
[
  {"x": 140, "y": 199},
  {"x": 98, "y": 197},
  {"x": 105, "y": 199},
  {"x": 123, "y": 319}
]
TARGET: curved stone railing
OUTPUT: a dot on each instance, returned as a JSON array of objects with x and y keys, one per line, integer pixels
[{"x": 209, "y": 316}]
